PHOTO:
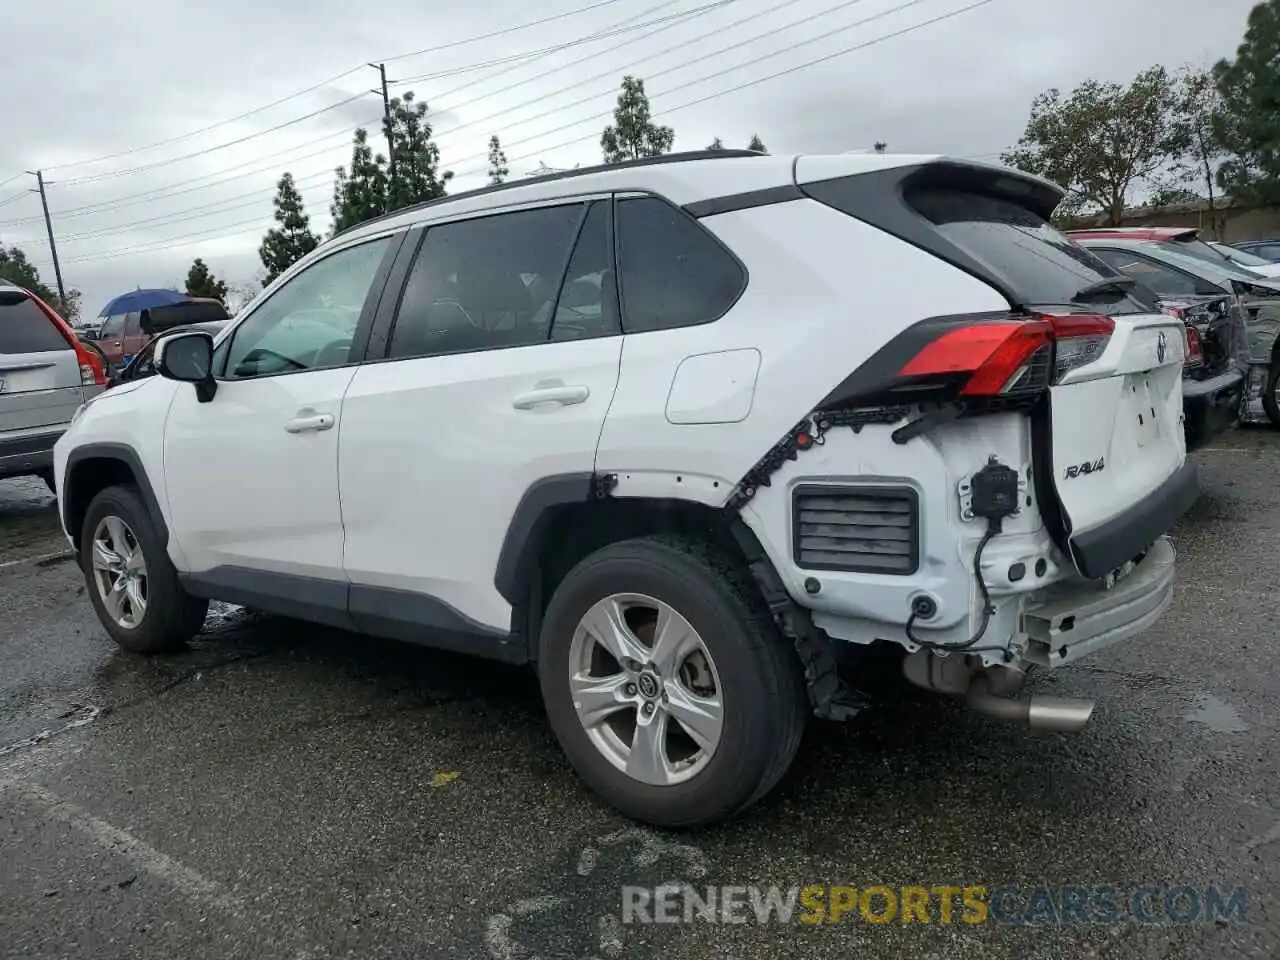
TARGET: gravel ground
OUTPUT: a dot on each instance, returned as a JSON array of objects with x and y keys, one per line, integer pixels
[{"x": 281, "y": 790}]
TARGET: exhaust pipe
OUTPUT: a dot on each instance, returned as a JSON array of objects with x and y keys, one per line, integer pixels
[{"x": 1039, "y": 713}]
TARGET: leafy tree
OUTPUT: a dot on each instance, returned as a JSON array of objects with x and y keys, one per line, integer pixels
[
  {"x": 757, "y": 144},
  {"x": 1248, "y": 125},
  {"x": 17, "y": 269},
  {"x": 633, "y": 134},
  {"x": 1103, "y": 141},
  {"x": 716, "y": 144},
  {"x": 359, "y": 194},
  {"x": 1196, "y": 111},
  {"x": 70, "y": 307},
  {"x": 498, "y": 169},
  {"x": 880, "y": 146},
  {"x": 285, "y": 245},
  {"x": 415, "y": 174},
  {"x": 202, "y": 283}
]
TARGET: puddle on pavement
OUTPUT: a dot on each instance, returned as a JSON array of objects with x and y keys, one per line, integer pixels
[{"x": 1218, "y": 715}]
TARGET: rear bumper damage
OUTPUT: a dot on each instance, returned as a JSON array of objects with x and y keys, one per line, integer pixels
[
  {"x": 1078, "y": 618},
  {"x": 1069, "y": 621}
]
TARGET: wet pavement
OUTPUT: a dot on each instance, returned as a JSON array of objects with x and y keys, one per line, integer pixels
[{"x": 281, "y": 790}]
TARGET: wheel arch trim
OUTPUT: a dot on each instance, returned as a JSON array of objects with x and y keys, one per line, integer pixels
[{"x": 122, "y": 453}]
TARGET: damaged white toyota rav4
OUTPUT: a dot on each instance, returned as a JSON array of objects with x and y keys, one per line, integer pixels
[{"x": 683, "y": 433}]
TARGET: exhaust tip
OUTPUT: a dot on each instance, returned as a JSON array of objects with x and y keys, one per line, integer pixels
[{"x": 1058, "y": 713}]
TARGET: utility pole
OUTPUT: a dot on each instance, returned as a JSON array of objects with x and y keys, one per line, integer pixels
[
  {"x": 53, "y": 247},
  {"x": 386, "y": 113}
]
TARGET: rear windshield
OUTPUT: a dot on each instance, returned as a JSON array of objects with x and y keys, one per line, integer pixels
[
  {"x": 24, "y": 328},
  {"x": 1026, "y": 252}
]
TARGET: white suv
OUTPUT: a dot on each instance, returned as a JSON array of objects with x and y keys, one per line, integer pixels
[{"x": 684, "y": 433}]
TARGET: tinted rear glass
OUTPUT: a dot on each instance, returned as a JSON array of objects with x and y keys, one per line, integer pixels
[
  {"x": 24, "y": 328},
  {"x": 1029, "y": 254}
]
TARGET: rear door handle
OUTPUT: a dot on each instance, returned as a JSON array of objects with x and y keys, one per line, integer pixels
[
  {"x": 312, "y": 422},
  {"x": 556, "y": 392}
]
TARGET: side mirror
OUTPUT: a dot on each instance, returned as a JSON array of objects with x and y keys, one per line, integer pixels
[{"x": 188, "y": 357}]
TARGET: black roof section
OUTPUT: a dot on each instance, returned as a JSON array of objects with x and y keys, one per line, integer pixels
[{"x": 684, "y": 157}]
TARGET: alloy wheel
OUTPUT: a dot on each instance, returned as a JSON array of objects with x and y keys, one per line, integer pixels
[
  {"x": 119, "y": 572},
  {"x": 645, "y": 689}
]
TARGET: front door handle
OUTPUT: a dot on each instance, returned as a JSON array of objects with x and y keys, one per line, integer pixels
[
  {"x": 555, "y": 392},
  {"x": 311, "y": 422}
]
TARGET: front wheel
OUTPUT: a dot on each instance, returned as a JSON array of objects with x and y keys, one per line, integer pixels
[
  {"x": 1270, "y": 388},
  {"x": 666, "y": 683},
  {"x": 132, "y": 583}
]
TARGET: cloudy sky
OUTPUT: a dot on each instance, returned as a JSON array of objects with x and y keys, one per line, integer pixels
[{"x": 163, "y": 125}]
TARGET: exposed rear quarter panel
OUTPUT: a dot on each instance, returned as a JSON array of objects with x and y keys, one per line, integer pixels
[{"x": 824, "y": 292}]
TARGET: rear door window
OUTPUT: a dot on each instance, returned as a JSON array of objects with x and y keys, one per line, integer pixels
[
  {"x": 489, "y": 283},
  {"x": 24, "y": 328},
  {"x": 1013, "y": 243},
  {"x": 674, "y": 273}
]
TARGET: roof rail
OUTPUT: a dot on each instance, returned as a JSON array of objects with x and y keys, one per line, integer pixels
[{"x": 687, "y": 155}]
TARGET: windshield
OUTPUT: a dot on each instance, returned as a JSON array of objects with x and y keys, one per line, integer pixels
[
  {"x": 1180, "y": 255},
  {"x": 1203, "y": 251},
  {"x": 1241, "y": 257}
]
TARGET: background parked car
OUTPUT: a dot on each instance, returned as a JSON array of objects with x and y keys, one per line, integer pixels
[
  {"x": 115, "y": 315},
  {"x": 123, "y": 335},
  {"x": 140, "y": 367},
  {"x": 1182, "y": 240},
  {"x": 1252, "y": 340},
  {"x": 1243, "y": 258},
  {"x": 1266, "y": 249},
  {"x": 46, "y": 373}
]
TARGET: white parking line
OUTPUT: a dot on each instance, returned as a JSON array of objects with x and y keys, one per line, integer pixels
[
  {"x": 59, "y": 555},
  {"x": 200, "y": 889}
]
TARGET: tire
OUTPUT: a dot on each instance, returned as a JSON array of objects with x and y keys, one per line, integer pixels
[
  {"x": 168, "y": 616},
  {"x": 1270, "y": 403},
  {"x": 752, "y": 669}
]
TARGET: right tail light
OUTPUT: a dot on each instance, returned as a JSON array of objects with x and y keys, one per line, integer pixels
[{"x": 1195, "y": 349}]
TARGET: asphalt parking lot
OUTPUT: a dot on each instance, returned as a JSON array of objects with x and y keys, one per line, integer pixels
[{"x": 279, "y": 790}]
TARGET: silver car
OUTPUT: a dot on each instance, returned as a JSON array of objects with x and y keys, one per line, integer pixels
[
  {"x": 1175, "y": 275},
  {"x": 45, "y": 375}
]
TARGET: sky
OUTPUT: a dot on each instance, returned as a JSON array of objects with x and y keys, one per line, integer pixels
[{"x": 162, "y": 126}]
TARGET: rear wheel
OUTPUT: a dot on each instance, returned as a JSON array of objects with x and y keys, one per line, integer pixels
[
  {"x": 667, "y": 684},
  {"x": 1271, "y": 387},
  {"x": 132, "y": 583}
]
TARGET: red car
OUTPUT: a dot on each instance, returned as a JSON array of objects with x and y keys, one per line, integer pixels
[{"x": 122, "y": 336}]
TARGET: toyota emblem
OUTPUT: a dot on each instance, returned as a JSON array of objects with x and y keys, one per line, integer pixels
[{"x": 1162, "y": 344}]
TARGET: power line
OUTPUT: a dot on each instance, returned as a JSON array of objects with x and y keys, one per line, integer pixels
[
  {"x": 520, "y": 58},
  {"x": 500, "y": 33},
  {"x": 165, "y": 193},
  {"x": 313, "y": 88},
  {"x": 95, "y": 178},
  {"x": 17, "y": 196},
  {"x": 149, "y": 196},
  {"x": 772, "y": 76},
  {"x": 719, "y": 73},
  {"x": 613, "y": 72},
  {"x": 699, "y": 100}
]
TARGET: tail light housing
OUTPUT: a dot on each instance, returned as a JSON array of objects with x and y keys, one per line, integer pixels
[
  {"x": 1195, "y": 349},
  {"x": 1004, "y": 358},
  {"x": 92, "y": 372}
]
